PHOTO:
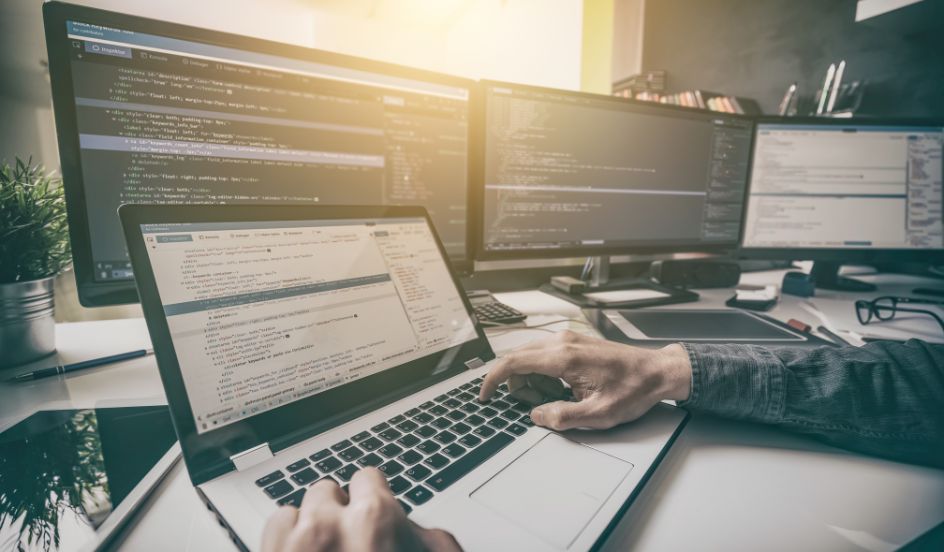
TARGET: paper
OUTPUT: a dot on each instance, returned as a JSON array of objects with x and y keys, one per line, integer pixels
[{"x": 624, "y": 295}]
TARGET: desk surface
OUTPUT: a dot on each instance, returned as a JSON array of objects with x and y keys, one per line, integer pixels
[{"x": 724, "y": 486}]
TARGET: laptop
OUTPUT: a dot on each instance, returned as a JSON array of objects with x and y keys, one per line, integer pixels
[{"x": 297, "y": 343}]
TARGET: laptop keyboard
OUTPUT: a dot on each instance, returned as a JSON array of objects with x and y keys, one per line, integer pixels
[{"x": 422, "y": 451}]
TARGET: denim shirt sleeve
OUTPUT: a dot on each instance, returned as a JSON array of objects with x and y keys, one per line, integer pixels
[{"x": 885, "y": 399}]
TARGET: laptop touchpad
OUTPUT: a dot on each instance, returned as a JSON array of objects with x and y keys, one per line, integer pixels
[{"x": 554, "y": 489}]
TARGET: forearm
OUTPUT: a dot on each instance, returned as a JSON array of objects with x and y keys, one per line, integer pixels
[{"x": 884, "y": 399}]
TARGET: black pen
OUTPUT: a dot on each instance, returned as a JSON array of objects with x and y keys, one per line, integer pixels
[
  {"x": 832, "y": 335},
  {"x": 66, "y": 368}
]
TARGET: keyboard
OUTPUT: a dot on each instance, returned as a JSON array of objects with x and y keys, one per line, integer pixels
[
  {"x": 422, "y": 451},
  {"x": 497, "y": 313}
]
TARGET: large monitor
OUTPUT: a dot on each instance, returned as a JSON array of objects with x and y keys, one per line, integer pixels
[
  {"x": 569, "y": 174},
  {"x": 154, "y": 112},
  {"x": 845, "y": 191}
]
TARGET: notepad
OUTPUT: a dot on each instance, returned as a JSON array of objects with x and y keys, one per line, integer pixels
[{"x": 625, "y": 295}]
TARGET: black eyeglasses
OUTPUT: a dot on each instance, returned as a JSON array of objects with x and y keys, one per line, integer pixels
[{"x": 885, "y": 308}]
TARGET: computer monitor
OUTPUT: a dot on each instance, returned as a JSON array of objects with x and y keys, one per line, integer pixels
[
  {"x": 154, "y": 112},
  {"x": 569, "y": 174},
  {"x": 842, "y": 191}
]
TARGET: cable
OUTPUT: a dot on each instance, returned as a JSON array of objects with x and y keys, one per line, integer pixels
[{"x": 540, "y": 327}]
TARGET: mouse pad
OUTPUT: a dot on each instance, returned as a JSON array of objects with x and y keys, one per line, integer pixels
[{"x": 554, "y": 489}]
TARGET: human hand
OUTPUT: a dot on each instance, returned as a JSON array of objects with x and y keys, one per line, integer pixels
[
  {"x": 612, "y": 383},
  {"x": 368, "y": 518}
]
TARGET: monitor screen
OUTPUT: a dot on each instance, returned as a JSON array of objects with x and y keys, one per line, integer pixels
[
  {"x": 262, "y": 314},
  {"x": 570, "y": 174},
  {"x": 165, "y": 114},
  {"x": 845, "y": 186}
]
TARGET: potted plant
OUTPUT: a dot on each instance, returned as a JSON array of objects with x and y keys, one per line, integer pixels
[{"x": 34, "y": 248}]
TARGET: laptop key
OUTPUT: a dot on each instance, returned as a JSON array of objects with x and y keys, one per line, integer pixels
[
  {"x": 445, "y": 437},
  {"x": 484, "y": 431},
  {"x": 460, "y": 429},
  {"x": 406, "y": 507},
  {"x": 500, "y": 405},
  {"x": 465, "y": 396},
  {"x": 488, "y": 412},
  {"x": 396, "y": 419},
  {"x": 456, "y": 415},
  {"x": 279, "y": 488},
  {"x": 423, "y": 418},
  {"x": 410, "y": 457},
  {"x": 454, "y": 450},
  {"x": 438, "y": 410},
  {"x": 476, "y": 381},
  {"x": 511, "y": 414},
  {"x": 320, "y": 455},
  {"x": 305, "y": 477},
  {"x": 453, "y": 392},
  {"x": 270, "y": 478},
  {"x": 475, "y": 420},
  {"x": 419, "y": 495},
  {"x": 370, "y": 460},
  {"x": 470, "y": 440},
  {"x": 295, "y": 466},
  {"x": 498, "y": 423},
  {"x": 398, "y": 484},
  {"x": 436, "y": 461},
  {"x": 452, "y": 403},
  {"x": 409, "y": 440},
  {"x": 427, "y": 405},
  {"x": 425, "y": 432},
  {"x": 441, "y": 398},
  {"x": 360, "y": 436},
  {"x": 441, "y": 423},
  {"x": 390, "y": 434},
  {"x": 350, "y": 454},
  {"x": 391, "y": 468},
  {"x": 371, "y": 444},
  {"x": 380, "y": 427},
  {"x": 418, "y": 472},
  {"x": 428, "y": 447},
  {"x": 526, "y": 421},
  {"x": 465, "y": 386},
  {"x": 469, "y": 462},
  {"x": 407, "y": 426},
  {"x": 328, "y": 465},
  {"x": 470, "y": 407},
  {"x": 391, "y": 450},
  {"x": 294, "y": 499},
  {"x": 516, "y": 429},
  {"x": 340, "y": 445},
  {"x": 346, "y": 472}
]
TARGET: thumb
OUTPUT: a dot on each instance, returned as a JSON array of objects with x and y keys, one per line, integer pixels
[{"x": 563, "y": 415}]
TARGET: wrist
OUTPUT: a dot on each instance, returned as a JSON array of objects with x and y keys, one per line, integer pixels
[{"x": 676, "y": 369}]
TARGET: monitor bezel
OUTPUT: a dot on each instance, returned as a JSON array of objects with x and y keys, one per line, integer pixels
[
  {"x": 477, "y": 184},
  {"x": 207, "y": 454},
  {"x": 863, "y": 255},
  {"x": 93, "y": 293}
]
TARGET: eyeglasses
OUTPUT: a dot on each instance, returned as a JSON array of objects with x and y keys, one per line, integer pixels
[{"x": 885, "y": 308}]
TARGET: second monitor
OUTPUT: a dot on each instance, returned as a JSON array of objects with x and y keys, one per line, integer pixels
[{"x": 569, "y": 174}]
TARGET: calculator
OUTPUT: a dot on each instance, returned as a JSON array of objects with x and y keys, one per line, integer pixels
[{"x": 490, "y": 311}]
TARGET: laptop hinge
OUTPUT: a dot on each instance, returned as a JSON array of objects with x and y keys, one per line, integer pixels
[
  {"x": 251, "y": 457},
  {"x": 474, "y": 363}
]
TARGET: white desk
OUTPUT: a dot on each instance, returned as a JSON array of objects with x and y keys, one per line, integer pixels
[{"x": 723, "y": 486}]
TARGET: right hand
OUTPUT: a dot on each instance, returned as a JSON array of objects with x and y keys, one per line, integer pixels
[
  {"x": 367, "y": 519},
  {"x": 612, "y": 382}
]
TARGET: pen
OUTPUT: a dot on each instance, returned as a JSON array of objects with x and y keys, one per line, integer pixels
[
  {"x": 66, "y": 368},
  {"x": 837, "y": 80},
  {"x": 832, "y": 335},
  {"x": 822, "y": 97}
]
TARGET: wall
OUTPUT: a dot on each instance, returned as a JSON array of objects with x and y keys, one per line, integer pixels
[
  {"x": 757, "y": 48},
  {"x": 529, "y": 41},
  {"x": 596, "y": 56}
]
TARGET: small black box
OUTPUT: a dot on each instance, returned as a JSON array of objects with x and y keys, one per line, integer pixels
[{"x": 696, "y": 273}]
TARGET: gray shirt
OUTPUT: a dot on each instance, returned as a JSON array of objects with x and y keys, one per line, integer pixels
[{"x": 885, "y": 399}]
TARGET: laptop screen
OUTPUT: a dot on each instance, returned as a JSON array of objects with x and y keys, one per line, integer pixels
[{"x": 262, "y": 314}]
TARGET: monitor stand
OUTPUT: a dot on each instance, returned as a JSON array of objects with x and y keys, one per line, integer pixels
[{"x": 826, "y": 276}]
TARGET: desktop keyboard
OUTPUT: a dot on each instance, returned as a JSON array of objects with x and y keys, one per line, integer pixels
[{"x": 422, "y": 451}]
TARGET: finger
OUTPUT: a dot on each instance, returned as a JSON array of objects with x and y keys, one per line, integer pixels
[
  {"x": 564, "y": 415},
  {"x": 538, "y": 361},
  {"x": 369, "y": 484},
  {"x": 437, "y": 539},
  {"x": 324, "y": 494},
  {"x": 278, "y": 528}
]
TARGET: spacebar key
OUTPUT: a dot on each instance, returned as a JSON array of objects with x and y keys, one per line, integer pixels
[{"x": 470, "y": 461}]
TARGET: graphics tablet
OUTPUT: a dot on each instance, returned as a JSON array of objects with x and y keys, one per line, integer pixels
[{"x": 70, "y": 479}]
